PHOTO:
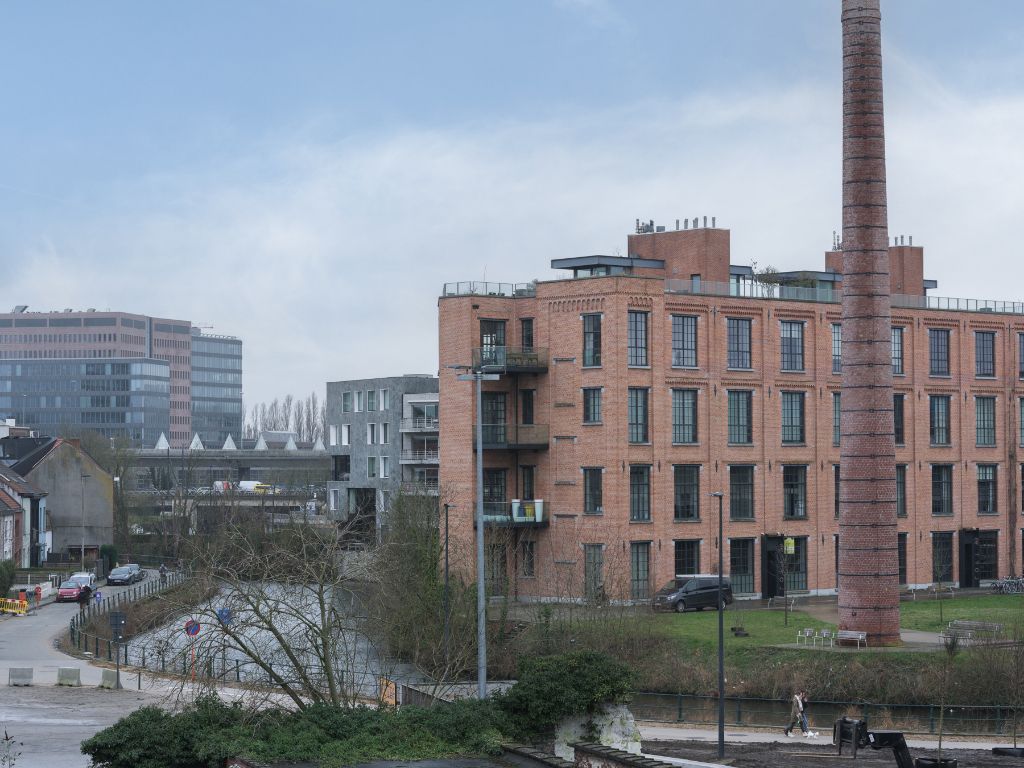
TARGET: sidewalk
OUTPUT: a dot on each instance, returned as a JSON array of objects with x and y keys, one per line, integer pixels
[{"x": 654, "y": 732}]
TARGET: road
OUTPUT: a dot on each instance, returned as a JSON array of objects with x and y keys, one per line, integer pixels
[{"x": 50, "y": 722}]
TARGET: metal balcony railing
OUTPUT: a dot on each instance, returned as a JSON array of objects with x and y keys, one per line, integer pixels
[
  {"x": 419, "y": 424},
  {"x": 421, "y": 457},
  {"x": 474, "y": 288},
  {"x": 512, "y": 436},
  {"x": 829, "y": 295},
  {"x": 511, "y": 359},
  {"x": 515, "y": 513},
  {"x": 421, "y": 487}
]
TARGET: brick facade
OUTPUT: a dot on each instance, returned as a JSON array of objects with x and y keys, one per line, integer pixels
[{"x": 557, "y": 308}]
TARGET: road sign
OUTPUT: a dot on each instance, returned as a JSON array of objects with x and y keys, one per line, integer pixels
[
  {"x": 224, "y": 615},
  {"x": 191, "y": 627}
]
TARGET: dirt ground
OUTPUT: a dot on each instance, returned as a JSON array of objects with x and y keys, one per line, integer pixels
[{"x": 823, "y": 755}]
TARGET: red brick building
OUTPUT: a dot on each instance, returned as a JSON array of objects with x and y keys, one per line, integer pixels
[{"x": 634, "y": 389}]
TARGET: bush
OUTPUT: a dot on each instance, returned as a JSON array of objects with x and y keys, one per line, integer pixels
[
  {"x": 6, "y": 576},
  {"x": 551, "y": 688},
  {"x": 209, "y": 732}
]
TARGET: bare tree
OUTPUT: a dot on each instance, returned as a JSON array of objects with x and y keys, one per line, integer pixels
[{"x": 285, "y": 614}]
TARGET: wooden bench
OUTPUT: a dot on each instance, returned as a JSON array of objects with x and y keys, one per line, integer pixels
[
  {"x": 823, "y": 635},
  {"x": 850, "y": 635}
]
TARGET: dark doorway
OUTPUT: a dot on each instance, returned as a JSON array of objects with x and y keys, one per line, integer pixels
[
  {"x": 773, "y": 567},
  {"x": 969, "y": 557}
]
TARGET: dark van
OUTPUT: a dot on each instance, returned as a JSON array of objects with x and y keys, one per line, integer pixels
[{"x": 694, "y": 591}]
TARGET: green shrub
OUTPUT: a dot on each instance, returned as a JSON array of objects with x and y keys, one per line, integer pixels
[
  {"x": 210, "y": 731},
  {"x": 6, "y": 576},
  {"x": 551, "y": 688}
]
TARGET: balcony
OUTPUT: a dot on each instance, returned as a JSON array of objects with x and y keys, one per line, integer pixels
[
  {"x": 420, "y": 457},
  {"x": 515, "y": 514},
  {"x": 421, "y": 488},
  {"x": 515, "y": 437},
  {"x": 511, "y": 359},
  {"x": 419, "y": 424}
]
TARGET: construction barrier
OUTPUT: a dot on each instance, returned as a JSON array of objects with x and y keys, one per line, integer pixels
[
  {"x": 19, "y": 607},
  {"x": 19, "y": 676},
  {"x": 70, "y": 676}
]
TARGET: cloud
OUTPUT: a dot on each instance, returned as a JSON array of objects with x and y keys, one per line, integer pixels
[{"x": 327, "y": 257}]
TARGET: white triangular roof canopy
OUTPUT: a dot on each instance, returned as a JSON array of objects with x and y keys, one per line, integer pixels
[
  {"x": 290, "y": 445},
  {"x": 162, "y": 444},
  {"x": 196, "y": 444},
  {"x": 261, "y": 444},
  {"x": 229, "y": 445},
  {"x": 319, "y": 445}
]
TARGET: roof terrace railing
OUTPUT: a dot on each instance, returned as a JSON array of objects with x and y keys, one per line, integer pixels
[
  {"x": 508, "y": 290},
  {"x": 828, "y": 295}
]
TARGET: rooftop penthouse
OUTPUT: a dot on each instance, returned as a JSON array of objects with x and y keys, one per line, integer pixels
[{"x": 696, "y": 260}]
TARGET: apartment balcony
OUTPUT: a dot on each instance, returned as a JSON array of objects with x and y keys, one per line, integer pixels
[
  {"x": 511, "y": 359},
  {"x": 419, "y": 424},
  {"x": 420, "y": 457},
  {"x": 422, "y": 488},
  {"x": 515, "y": 514},
  {"x": 515, "y": 437}
]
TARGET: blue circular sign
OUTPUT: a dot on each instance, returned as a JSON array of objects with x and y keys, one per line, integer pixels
[{"x": 191, "y": 627}]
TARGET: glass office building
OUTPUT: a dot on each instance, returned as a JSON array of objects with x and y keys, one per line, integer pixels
[{"x": 216, "y": 388}]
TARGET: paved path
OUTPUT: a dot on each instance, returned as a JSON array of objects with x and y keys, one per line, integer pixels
[{"x": 50, "y": 722}]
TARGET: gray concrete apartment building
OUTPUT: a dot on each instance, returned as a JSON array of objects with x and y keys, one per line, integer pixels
[{"x": 381, "y": 434}]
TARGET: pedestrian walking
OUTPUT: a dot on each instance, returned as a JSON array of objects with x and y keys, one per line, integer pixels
[
  {"x": 38, "y": 592},
  {"x": 84, "y": 596},
  {"x": 796, "y": 714},
  {"x": 804, "y": 722}
]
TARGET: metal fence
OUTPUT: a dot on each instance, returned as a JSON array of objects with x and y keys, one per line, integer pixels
[{"x": 959, "y": 719}]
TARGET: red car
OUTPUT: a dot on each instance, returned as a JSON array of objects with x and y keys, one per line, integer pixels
[{"x": 69, "y": 592}]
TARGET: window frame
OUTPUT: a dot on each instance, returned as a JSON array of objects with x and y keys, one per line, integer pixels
[
  {"x": 896, "y": 357},
  {"x": 942, "y": 490},
  {"x": 684, "y": 341},
  {"x": 988, "y": 489},
  {"x": 985, "y": 354},
  {"x": 985, "y": 422},
  {"x": 939, "y": 431},
  {"x": 741, "y": 492},
  {"x": 739, "y": 352},
  {"x": 637, "y": 338},
  {"x": 639, "y": 493},
  {"x": 938, "y": 352},
  {"x": 592, "y": 339},
  {"x": 794, "y": 492},
  {"x": 592, "y": 493},
  {"x": 686, "y": 493},
  {"x": 791, "y": 346},
  {"x": 593, "y": 395},
  {"x": 744, "y": 402},
  {"x": 639, "y": 415},
  {"x": 796, "y": 430},
  {"x": 837, "y": 347},
  {"x": 684, "y": 431}
]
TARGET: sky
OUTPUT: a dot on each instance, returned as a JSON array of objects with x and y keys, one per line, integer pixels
[{"x": 307, "y": 174}]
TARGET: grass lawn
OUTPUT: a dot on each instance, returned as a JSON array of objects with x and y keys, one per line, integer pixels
[
  {"x": 763, "y": 627},
  {"x": 923, "y": 614}
]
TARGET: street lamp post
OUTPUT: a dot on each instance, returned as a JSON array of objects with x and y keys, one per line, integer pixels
[
  {"x": 447, "y": 615},
  {"x": 84, "y": 477},
  {"x": 481, "y": 595},
  {"x": 721, "y": 633}
]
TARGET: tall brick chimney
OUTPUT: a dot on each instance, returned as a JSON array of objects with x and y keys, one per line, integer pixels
[{"x": 868, "y": 559}]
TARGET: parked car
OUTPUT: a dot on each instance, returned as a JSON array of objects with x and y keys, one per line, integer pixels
[
  {"x": 138, "y": 574},
  {"x": 691, "y": 591},
  {"x": 121, "y": 575},
  {"x": 68, "y": 591},
  {"x": 85, "y": 578}
]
